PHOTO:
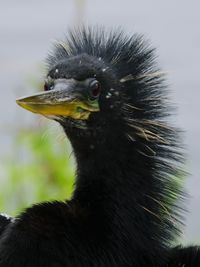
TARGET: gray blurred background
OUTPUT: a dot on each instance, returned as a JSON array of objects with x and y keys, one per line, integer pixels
[{"x": 27, "y": 29}]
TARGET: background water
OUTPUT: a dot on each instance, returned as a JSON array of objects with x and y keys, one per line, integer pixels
[{"x": 27, "y": 29}]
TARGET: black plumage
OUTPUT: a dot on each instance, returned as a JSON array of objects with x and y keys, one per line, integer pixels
[{"x": 126, "y": 207}]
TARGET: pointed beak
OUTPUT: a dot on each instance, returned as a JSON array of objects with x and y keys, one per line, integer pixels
[{"x": 65, "y": 99}]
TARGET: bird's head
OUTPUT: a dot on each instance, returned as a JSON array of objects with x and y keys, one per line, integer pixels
[
  {"x": 80, "y": 92},
  {"x": 100, "y": 86}
]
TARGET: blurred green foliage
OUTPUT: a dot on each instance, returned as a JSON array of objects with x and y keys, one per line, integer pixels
[{"x": 41, "y": 168}]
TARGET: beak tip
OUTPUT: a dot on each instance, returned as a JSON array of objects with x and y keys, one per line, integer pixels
[{"x": 18, "y": 101}]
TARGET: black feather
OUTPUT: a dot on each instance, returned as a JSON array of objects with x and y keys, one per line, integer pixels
[{"x": 126, "y": 207}]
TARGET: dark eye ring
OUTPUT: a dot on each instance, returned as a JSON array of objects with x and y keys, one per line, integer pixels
[{"x": 95, "y": 89}]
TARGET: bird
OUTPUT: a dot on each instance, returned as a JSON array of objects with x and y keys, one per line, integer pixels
[{"x": 106, "y": 90}]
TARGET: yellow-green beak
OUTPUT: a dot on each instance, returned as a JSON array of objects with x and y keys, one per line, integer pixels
[{"x": 64, "y": 100}]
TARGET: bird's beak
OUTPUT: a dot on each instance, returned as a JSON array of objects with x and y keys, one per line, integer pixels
[{"x": 65, "y": 99}]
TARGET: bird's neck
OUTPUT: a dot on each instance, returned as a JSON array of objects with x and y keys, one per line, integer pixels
[
  {"x": 114, "y": 167},
  {"x": 117, "y": 184}
]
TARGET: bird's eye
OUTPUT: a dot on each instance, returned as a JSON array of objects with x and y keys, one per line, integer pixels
[{"x": 95, "y": 89}]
